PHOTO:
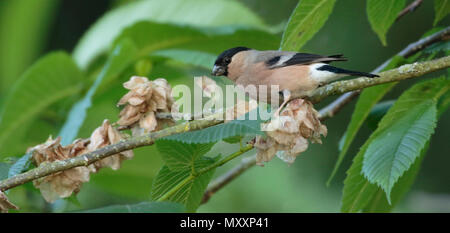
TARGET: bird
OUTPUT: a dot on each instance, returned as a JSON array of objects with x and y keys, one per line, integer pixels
[{"x": 290, "y": 71}]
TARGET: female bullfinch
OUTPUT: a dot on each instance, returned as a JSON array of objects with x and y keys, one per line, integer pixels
[{"x": 291, "y": 71}]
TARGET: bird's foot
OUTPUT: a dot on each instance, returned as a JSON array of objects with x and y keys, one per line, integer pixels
[{"x": 286, "y": 97}]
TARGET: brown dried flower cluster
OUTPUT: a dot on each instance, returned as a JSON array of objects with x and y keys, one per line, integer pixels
[
  {"x": 288, "y": 133},
  {"x": 101, "y": 137},
  {"x": 143, "y": 101},
  {"x": 5, "y": 205},
  {"x": 64, "y": 183}
]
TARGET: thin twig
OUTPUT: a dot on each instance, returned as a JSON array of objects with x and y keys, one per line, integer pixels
[
  {"x": 410, "y": 8},
  {"x": 226, "y": 178}
]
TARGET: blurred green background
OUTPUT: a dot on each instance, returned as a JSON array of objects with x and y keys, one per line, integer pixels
[{"x": 29, "y": 29}]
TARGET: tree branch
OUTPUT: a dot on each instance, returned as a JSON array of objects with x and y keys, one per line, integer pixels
[
  {"x": 410, "y": 8},
  {"x": 226, "y": 178},
  {"x": 401, "y": 73},
  {"x": 334, "y": 107},
  {"x": 91, "y": 157}
]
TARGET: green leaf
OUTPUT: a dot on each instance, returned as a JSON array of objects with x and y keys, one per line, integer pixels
[
  {"x": 368, "y": 98},
  {"x": 221, "y": 131},
  {"x": 442, "y": 9},
  {"x": 150, "y": 37},
  {"x": 20, "y": 21},
  {"x": 20, "y": 165},
  {"x": 181, "y": 156},
  {"x": 358, "y": 191},
  {"x": 198, "y": 13},
  {"x": 306, "y": 20},
  {"x": 397, "y": 145},
  {"x": 49, "y": 80},
  {"x": 402, "y": 133},
  {"x": 233, "y": 139},
  {"x": 379, "y": 202},
  {"x": 120, "y": 58},
  {"x": 437, "y": 47},
  {"x": 143, "y": 207},
  {"x": 382, "y": 14},
  {"x": 190, "y": 195},
  {"x": 4, "y": 168},
  {"x": 196, "y": 58}
]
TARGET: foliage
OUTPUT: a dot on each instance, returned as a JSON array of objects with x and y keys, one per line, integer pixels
[
  {"x": 419, "y": 104},
  {"x": 306, "y": 20},
  {"x": 368, "y": 98},
  {"x": 72, "y": 94},
  {"x": 382, "y": 14},
  {"x": 182, "y": 160},
  {"x": 53, "y": 78}
]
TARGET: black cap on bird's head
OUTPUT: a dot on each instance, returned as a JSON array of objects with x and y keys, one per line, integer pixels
[{"x": 222, "y": 61}]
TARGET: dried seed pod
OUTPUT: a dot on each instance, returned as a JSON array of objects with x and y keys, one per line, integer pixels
[{"x": 287, "y": 133}]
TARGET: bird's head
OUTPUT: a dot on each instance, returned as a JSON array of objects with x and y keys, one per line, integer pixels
[{"x": 224, "y": 59}]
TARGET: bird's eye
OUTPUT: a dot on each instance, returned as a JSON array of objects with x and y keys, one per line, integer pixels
[{"x": 227, "y": 60}]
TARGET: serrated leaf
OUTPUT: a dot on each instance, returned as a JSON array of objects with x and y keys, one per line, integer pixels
[
  {"x": 397, "y": 146},
  {"x": 49, "y": 80},
  {"x": 190, "y": 195},
  {"x": 199, "y": 13},
  {"x": 305, "y": 21},
  {"x": 181, "y": 156},
  {"x": 379, "y": 202},
  {"x": 408, "y": 125},
  {"x": 368, "y": 98},
  {"x": 441, "y": 9},
  {"x": 121, "y": 57},
  {"x": 143, "y": 207},
  {"x": 382, "y": 14},
  {"x": 221, "y": 131},
  {"x": 358, "y": 191}
]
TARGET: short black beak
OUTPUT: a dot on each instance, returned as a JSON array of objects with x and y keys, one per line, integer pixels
[{"x": 218, "y": 71}]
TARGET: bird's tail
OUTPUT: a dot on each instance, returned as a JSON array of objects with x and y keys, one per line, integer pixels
[{"x": 337, "y": 70}]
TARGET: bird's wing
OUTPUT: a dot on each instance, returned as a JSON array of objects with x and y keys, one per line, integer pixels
[{"x": 283, "y": 59}]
